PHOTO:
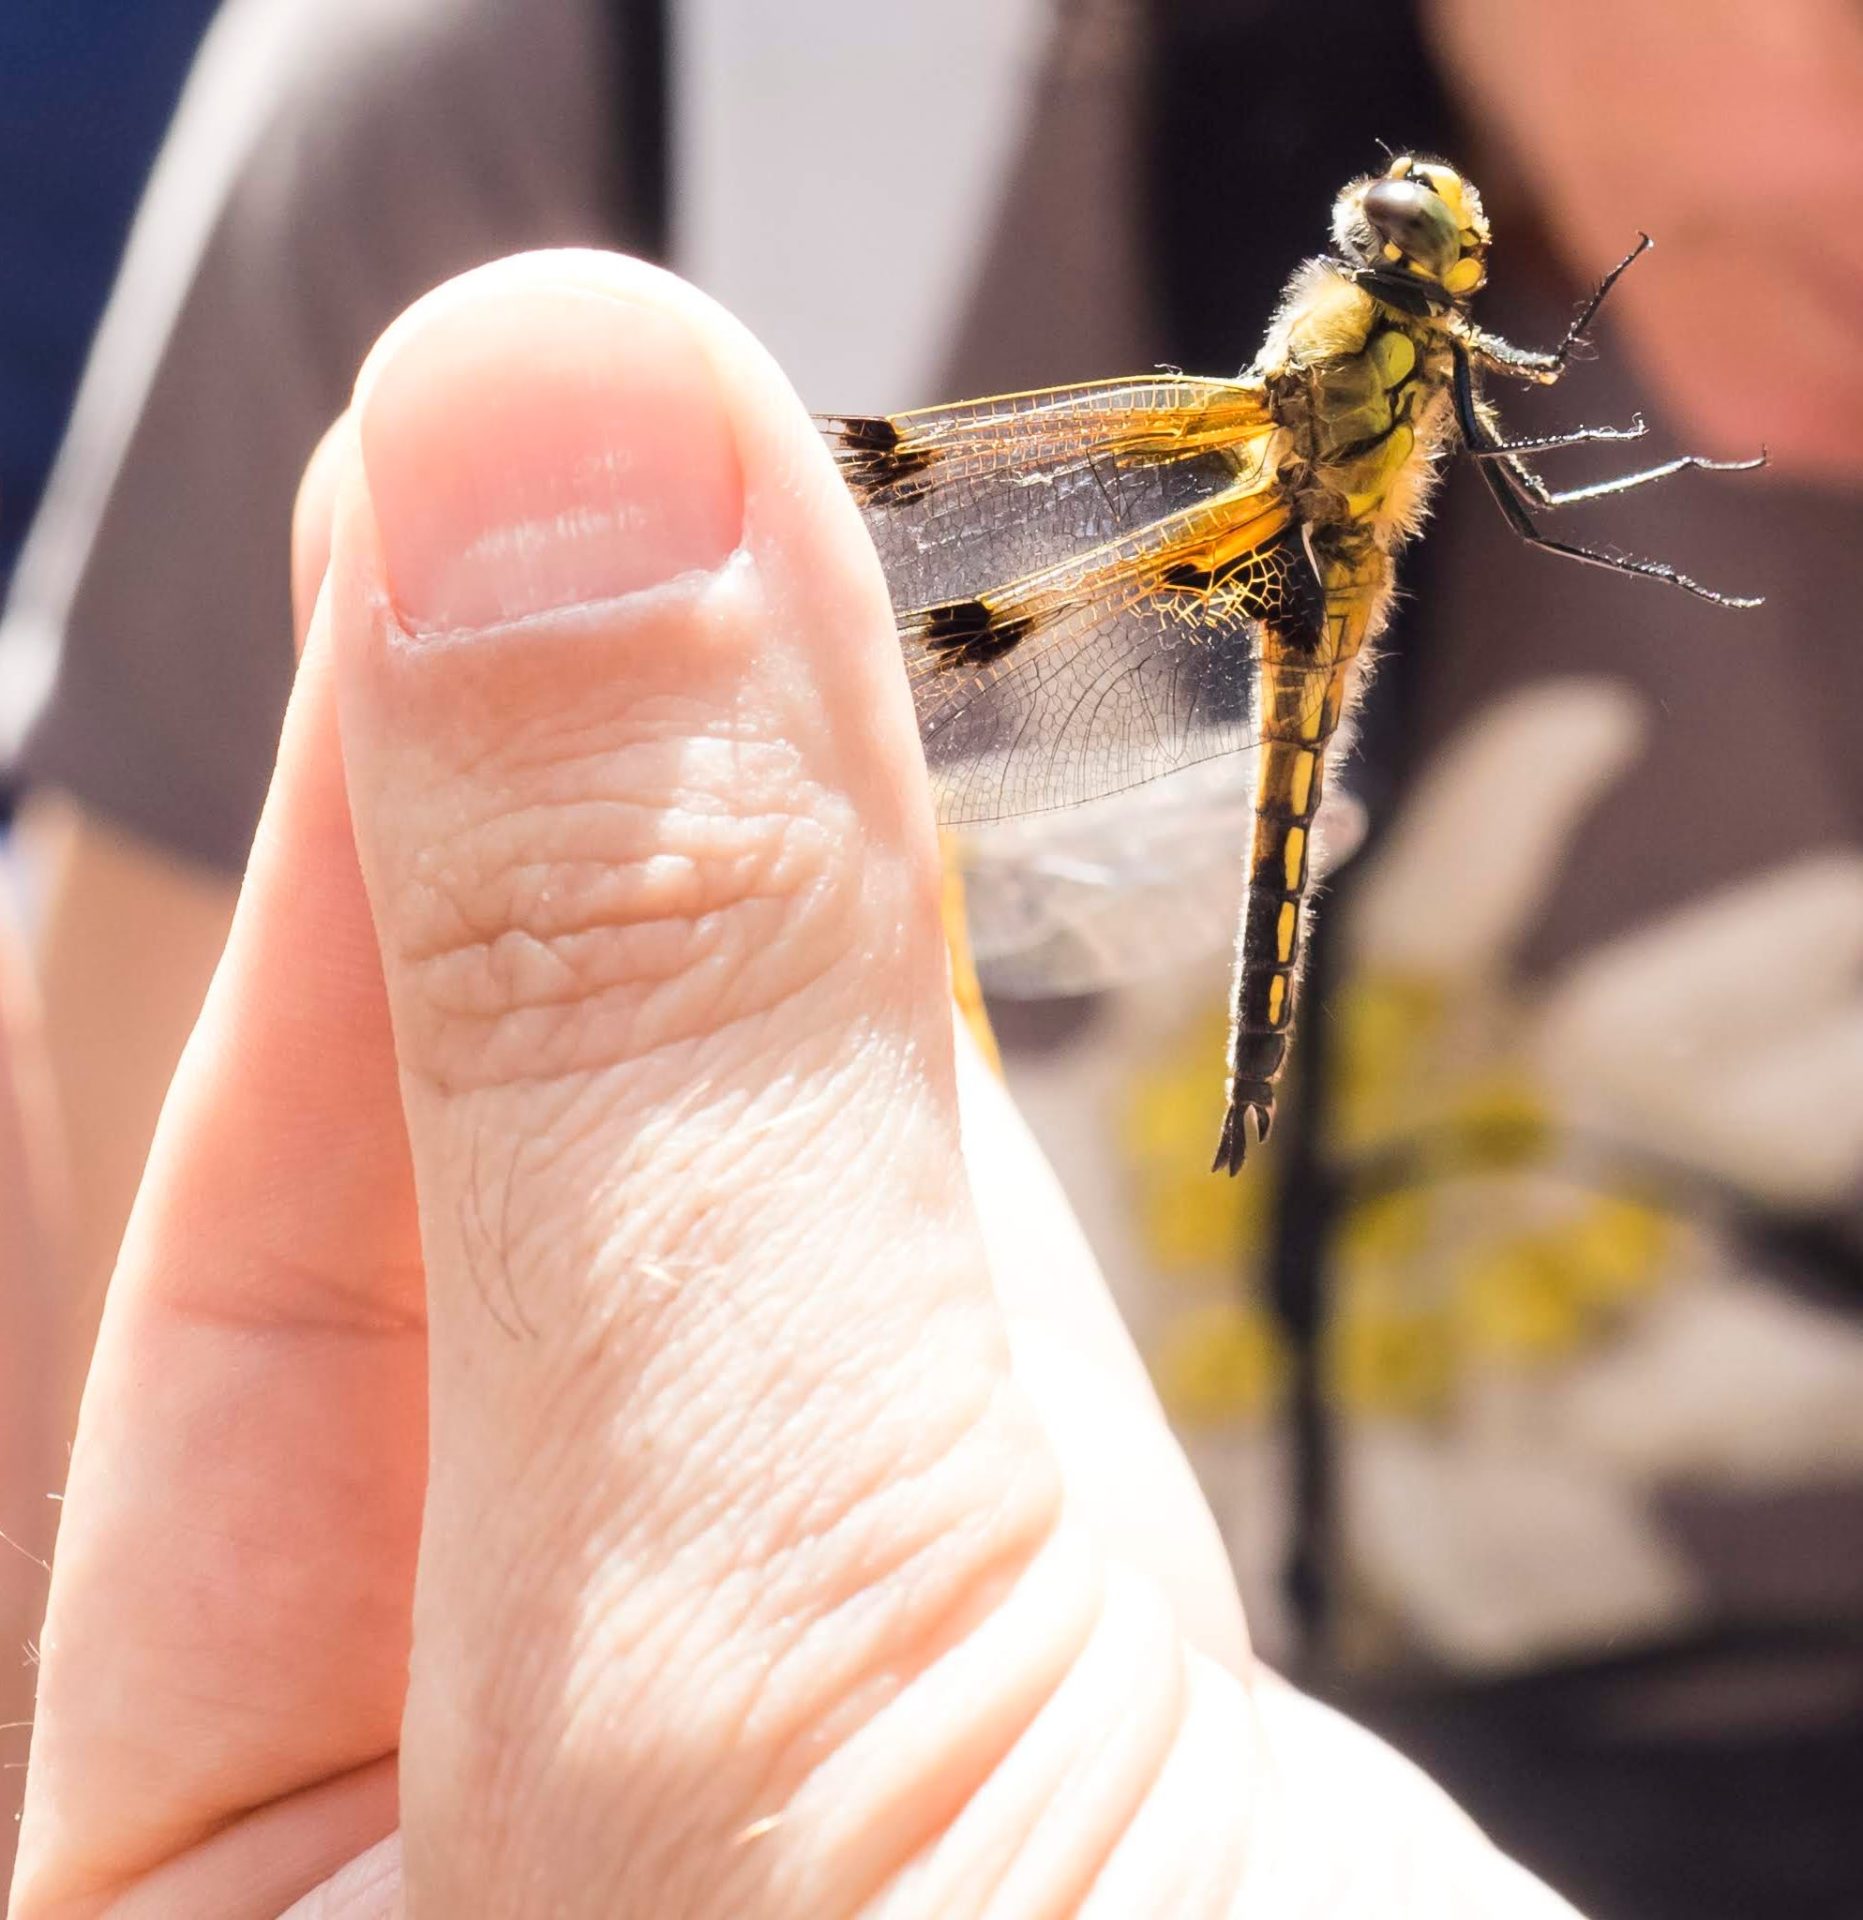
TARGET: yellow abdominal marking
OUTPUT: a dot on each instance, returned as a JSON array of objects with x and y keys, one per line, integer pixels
[
  {"x": 1300, "y": 788},
  {"x": 1277, "y": 999},
  {"x": 1294, "y": 858},
  {"x": 1284, "y": 932}
]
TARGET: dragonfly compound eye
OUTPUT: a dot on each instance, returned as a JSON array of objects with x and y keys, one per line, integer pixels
[{"x": 1416, "y": 221}]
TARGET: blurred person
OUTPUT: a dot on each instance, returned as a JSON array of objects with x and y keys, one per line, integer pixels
[
  {"x": 88, "y": 88},
  {"x": 348, "y": 163}
]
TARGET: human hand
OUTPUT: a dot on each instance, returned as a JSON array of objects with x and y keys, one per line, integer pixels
[
  {"x": 1734, "y": 134},
  {"x": 569, "y": 1433},
  {"x": 32, "y": 1330}
]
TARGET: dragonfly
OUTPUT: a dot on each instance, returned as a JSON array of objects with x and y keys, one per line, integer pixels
[{"x": 1100, "y": 585}]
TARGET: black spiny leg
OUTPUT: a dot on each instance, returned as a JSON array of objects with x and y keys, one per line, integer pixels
[
  {"x": 1525, "y": 363},
  {"x": 1624, "y": 482},
  {"x": 1505, "y": 481},
  {"x": 1553, "y": 442}
]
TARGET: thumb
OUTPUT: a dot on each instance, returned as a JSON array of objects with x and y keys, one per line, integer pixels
[{"x": 723, "y": 1450}]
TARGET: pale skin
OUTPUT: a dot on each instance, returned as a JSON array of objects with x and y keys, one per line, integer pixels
[
  {"x": 32, "y": 1213},
  {"x": 571, "y": 1432}
]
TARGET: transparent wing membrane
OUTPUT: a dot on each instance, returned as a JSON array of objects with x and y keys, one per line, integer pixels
[
  {"x": 1134, "y": 661},
  {"x": 1124, "y": 888},
  {"x": 962, "y": 499}
]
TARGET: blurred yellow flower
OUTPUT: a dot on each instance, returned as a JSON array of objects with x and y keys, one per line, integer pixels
[{"x": 1218, "y": 1364}]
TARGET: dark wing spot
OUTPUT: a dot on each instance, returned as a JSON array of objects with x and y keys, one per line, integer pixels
[
  {"x": 1195, "y": 577},
  {"x": 1274, "y": 583},
  {"x": 878, "y": 463},
  {"x": 966, "y": 632},
  {"x": 865, "y": 433}
]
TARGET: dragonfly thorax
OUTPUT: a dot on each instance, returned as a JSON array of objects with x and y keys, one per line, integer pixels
[{"x": 1361, "y": 393}]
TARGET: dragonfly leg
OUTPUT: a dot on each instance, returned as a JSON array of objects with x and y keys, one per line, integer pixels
[
  {"x": 1527, "y": 363},
  {"x": 1624, "y": 482},
  {"x": 1553, "y": 442},
  {"x": 1505, "y": 481}
]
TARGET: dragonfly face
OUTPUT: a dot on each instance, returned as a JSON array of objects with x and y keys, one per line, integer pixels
[
  {"x": 1419, "y": 221},
  {"x": 1102, "y": 584}
]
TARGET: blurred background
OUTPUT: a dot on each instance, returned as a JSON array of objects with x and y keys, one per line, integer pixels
[{"x": 1524, "y": 1368}]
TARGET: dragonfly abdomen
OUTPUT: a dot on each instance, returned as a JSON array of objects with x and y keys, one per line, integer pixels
[
  {"x": 1268, "y": 956},
  {"x": 1303, "y": 683}
]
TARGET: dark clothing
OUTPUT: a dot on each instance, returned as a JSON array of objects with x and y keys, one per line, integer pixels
[{"x": 90, "y": 85}]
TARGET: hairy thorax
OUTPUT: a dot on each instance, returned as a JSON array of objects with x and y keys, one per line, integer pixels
[{"x": 1362, "y": 396}]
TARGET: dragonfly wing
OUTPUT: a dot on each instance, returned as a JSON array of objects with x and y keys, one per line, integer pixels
[
  {"x": 1132, "y": 662},
  {"x": 1123, "y": 888},
  {"x": 959, "y": 499}
]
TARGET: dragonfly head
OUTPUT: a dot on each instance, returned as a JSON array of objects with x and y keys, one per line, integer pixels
[{"x": 1414, "y": 234}]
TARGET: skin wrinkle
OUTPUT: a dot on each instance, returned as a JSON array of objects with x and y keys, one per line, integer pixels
[
  {"x": 467, "y": 998},
  {"x": 665, "y": 1089},
  {"x": 865, "y": 1698},
  {"x": 785, "y": 1729},
  {"x": 600, "y": 1095},
  {"x": 801, "y": 1512},
  {"x": 895, "y": 1787},
  {"x": 465, "y": 886},
  {"x": 486, "y": 1249},
  {"x": 516, "y": 1250},
  {"x": 773, "y": 1772},
  {"x": 852, "y": 1045},
  {"x": 1132, "y": 1642},
  {"x": 699, "y": 763},
  {"x": 505, "y": 1048},
  {"x": 573, "y": 1421},
  {"x": 803, "y": 1507},
  {"x": 858, "y": 1061},
  {"x": 172, "y": 1888},
  {"x": 662, "y": 789},
  {"x": 608, "y": 1253},
  {"x": 517, "y": 970},
  {"x": 620, "y": 839},
  {"x": 660, "y": 1814},
  {"x": 699, "y": 619},
  {"x": 832, "y": 1369},
  {"x": 1210, "y": 1878},
  {"x": 758, "y": 1422},
  {"x": 900, "y": 1587},
  {"x": 300, "y": 1296}
]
